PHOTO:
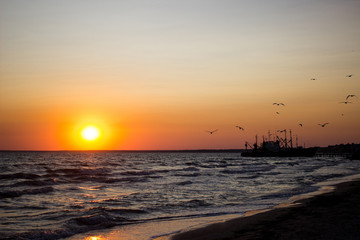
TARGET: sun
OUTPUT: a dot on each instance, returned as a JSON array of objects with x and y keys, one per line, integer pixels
[{"x": 90, "y": 133}]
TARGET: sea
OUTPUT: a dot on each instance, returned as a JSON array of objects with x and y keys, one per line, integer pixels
[{"x": 55, "y": 195}]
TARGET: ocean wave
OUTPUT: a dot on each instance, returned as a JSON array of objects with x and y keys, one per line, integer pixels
[
  {"x": 190, "y": 169},
  {"x": 144, "y": 172},
  {"x": 98, "y": 220},
  {"x": 233, "y": 171},
  {"x": 39, "y": 235},
  {"x": 81, "y": 171},
  {"x": 19, "y": 176},
  {"x": 194, "y": 203},
  {"x": 49, "y": 181},
  {"x": 196, "y": 174},
  {"x": 19, "y": 193},
  {"x": 125, "y": 211},
  {"x": 183, "y": 183}
]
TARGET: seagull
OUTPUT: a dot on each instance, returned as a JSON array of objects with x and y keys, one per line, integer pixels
[
  {"x": 350, "y": 96},
  {"x": 240, "y": 128},
  {"x": 323, "y": 125},
  {"x": 300, "y": 124},
  {"x": 346, "y": 102},
  {"x": 312, "y": 79},
  {"x": 349, "y": 76},
  {"x": 278, "y": 104},
  {"x": 211, "y": 132}
]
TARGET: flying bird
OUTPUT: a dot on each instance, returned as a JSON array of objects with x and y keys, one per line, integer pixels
[
  {"x": 300, "y": 124},
  {"x": 277, "y": 113},
  {"x": 323, "y": 125},
  {"x": 278, "y": 104},
  {"x": 351, "y": 96},
  {"x": 312, "y": 79},
  {"x": 349, "y": 76},
  {"x": 240, "y": 128},
  {"x": 346, "y": 102},
  {"x": 211, "y": 132}
]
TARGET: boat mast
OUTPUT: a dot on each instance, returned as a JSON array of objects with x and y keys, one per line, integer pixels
[{"x": 256, "y": 142}]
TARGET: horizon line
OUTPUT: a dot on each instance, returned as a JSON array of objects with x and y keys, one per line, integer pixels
[{"x": 124, "y": 150}]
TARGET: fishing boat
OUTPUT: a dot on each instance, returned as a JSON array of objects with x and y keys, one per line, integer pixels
[{"x": 279, "y": 147}]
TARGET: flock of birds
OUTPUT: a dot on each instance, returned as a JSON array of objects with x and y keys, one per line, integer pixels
[{"x": 347, "y": 101}]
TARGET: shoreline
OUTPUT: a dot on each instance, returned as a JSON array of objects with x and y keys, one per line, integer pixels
[
  {"x": 229, "y": 227},
  {"x": 332, "y": 214}
]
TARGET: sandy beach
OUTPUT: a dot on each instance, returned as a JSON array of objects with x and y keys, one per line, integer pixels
[{"x": 334, "y": 215}]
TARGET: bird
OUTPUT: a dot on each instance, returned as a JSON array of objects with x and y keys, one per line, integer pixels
[
  {"x": 351, "y": 96},
  {"x": 300, "y": 124},
  {"x": 349, "y": 76},
  {"x": 281, "y": 130},
  {"x": 278, "y": 104},
  {"x": 323, "y": 125},
  {"x": 240, "y": 128},
  {"x": 312, "y": 79},
  {"x": 346, "y": 102},
  {"x": 211, "y": 132},
  {"x": 277, "y": 113}
]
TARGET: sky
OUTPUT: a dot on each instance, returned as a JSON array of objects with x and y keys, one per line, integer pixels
[{"x": 158, "y": 74}]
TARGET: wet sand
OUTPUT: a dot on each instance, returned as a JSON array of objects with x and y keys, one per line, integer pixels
[{"x": 333, "y": 215}]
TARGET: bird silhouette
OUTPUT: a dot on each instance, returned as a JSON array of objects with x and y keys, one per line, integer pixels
[
  {"x": 312, "y": 79},
  {"x": 300, "y": 124},
  {"x": 211, "y": 132},
  {"x": 278, "y": 104},
  {"x": 346, "y": 102},
  {"x": 323, "y": 125},
  {"x": 349, "y": 76},
  {"x": 351, "y": 96},
  {"x": 240, "y": 128}
]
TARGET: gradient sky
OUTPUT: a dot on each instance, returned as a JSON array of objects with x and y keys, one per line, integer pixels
[{"x": 155, "y": 74}]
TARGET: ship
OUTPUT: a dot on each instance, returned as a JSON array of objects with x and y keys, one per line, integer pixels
[{"x": 279, "y": 147}]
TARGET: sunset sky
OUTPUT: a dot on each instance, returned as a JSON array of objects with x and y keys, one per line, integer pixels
[{"x": 156, "y": 74}]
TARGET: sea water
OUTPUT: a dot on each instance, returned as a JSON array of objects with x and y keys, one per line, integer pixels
[{"x": 53, "y": 195}]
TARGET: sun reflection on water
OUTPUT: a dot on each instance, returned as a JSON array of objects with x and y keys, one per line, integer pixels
[{"x": 95, "y": 238}]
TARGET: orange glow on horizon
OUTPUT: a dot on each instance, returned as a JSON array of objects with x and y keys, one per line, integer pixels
[{"x": 89, "y": 132}]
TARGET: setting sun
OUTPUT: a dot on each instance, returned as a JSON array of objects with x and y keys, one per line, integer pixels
[{"x": 90, "y": 133}]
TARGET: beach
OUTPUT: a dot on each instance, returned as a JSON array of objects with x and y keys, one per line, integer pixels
[
  {"x": 333, "y": 212},
  {"x": 333, "y": 215}
]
